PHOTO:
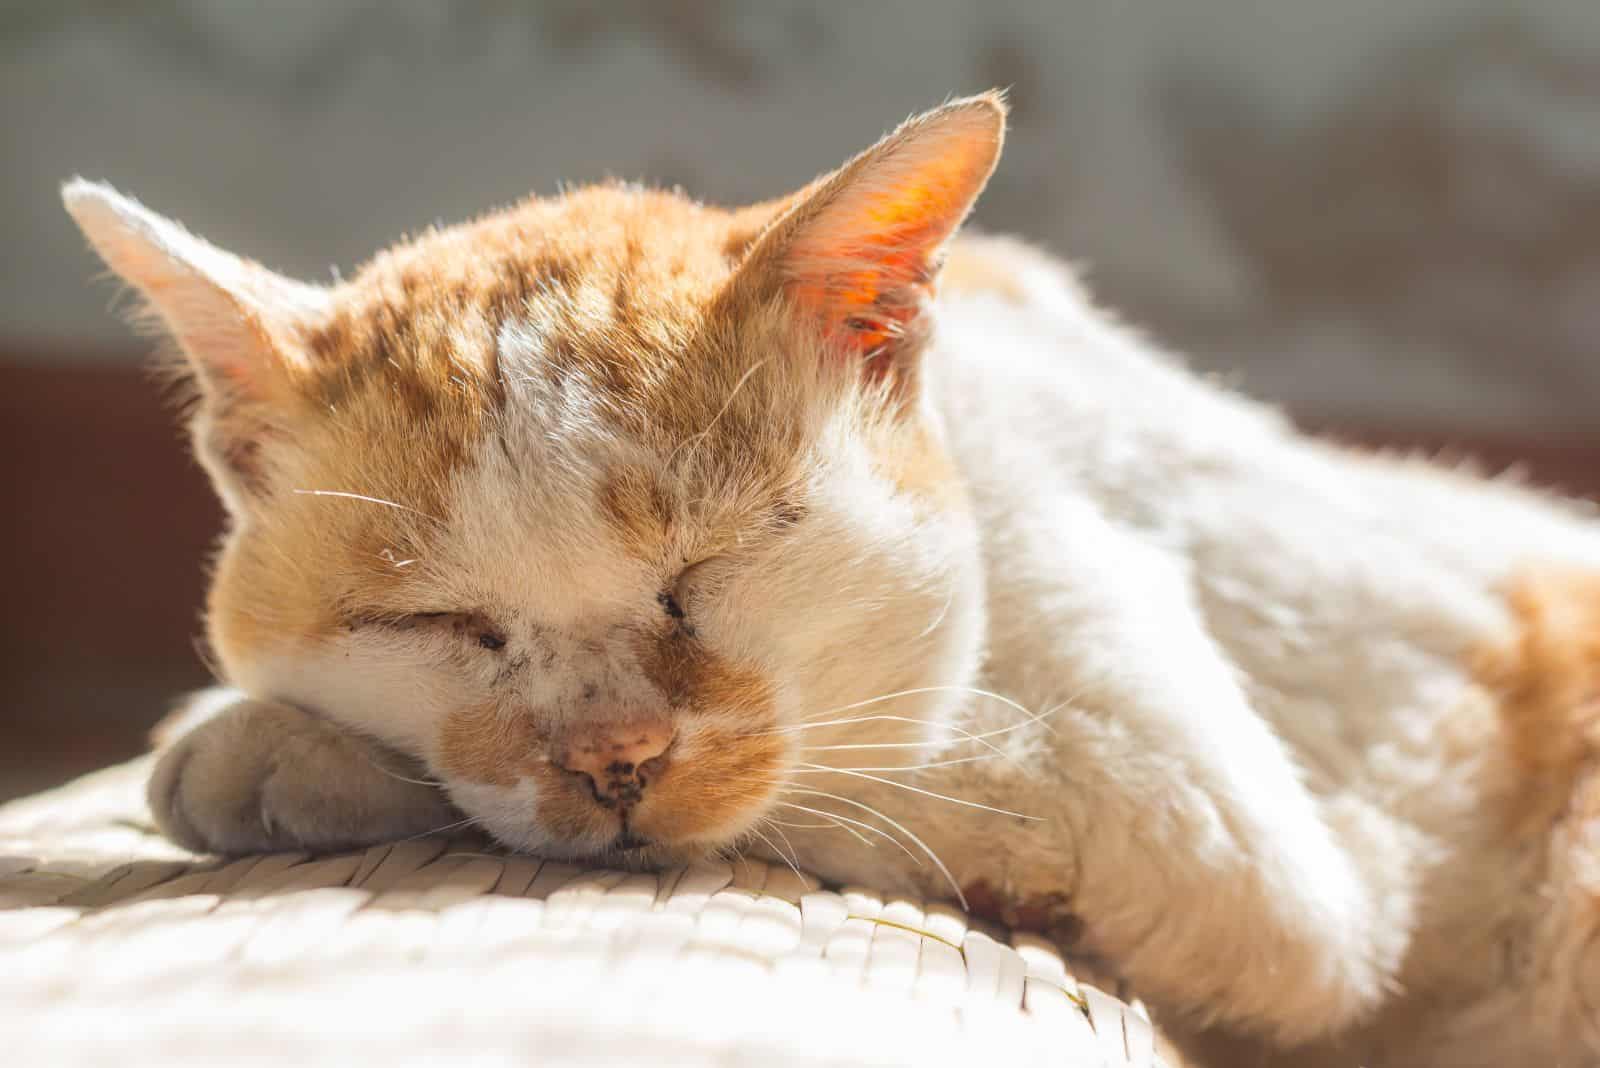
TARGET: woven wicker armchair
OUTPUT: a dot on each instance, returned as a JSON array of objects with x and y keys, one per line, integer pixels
[{"x": 116, "y": 946}]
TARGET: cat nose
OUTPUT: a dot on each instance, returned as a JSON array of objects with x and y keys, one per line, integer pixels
[{"x": 618, "y": 759}]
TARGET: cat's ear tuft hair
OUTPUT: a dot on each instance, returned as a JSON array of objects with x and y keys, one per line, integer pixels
[
  {"x": 239, "y": 325},
  {"x": 859, "y": 250}
]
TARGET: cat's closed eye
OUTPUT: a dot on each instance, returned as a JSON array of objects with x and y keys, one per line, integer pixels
[
  {"x": 675, "y": 600},
  {"x": 468, "y": 626},
  {"x": 668, "y": 599}
]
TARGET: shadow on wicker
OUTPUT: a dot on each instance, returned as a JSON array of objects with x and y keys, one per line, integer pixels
[{"x": 115, "y": 944}]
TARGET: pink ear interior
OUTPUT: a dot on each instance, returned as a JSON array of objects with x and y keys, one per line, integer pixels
[
  {"x": 236, "y": 322},
  {"x": 861, "y": 251},
  {"x": 229, "y": 315}
]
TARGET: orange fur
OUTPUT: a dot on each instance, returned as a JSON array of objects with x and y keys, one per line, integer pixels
[
  {"x": 1546, "y": 680},
  {"x": 705, "y": 354},
  {"x": 641, "y": 513},
  {"x": 632, "y": 291},
  {"x": 1547, "y": 684},
  {"x": 485, "y": 746},
  {"x": 710, "y": 786}
]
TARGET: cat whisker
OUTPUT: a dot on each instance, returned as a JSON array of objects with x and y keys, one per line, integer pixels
[
  {"x": 949, "y": 600},
  {"x": 963, "y": 734},
  {"x": 804, "y": 826},
  {"x": 980, "y": 758},
  {"x": 918, "y": 790},
  {"x": 393, "y": 775},
  {"x": 834, "y": 821},
  {"x": 846, "y": 823},
  {"x": 370, "y": 500},
  {"x": 915, "y": 691},
  {"x": 788, "y": 844},
  {"x": 469, "y": 821},
  {"x": 793, "y": 864},
  {"x": 903, "y": 829}
]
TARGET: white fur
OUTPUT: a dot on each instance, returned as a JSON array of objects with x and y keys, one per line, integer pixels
[{"x": 1264, "y": 640}]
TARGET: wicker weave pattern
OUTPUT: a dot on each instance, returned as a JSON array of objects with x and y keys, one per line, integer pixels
[{"x": 117, "y": 946}]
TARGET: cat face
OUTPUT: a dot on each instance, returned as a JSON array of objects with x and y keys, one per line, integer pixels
[{"x": 597, "y": 506}]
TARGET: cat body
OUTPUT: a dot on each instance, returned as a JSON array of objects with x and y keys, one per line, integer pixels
[
  {"x": 642, "y": 530},
  {"x": 1363, "y": 685}
]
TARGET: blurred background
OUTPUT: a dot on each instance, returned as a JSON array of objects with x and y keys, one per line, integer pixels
[{"x": 1385, "y": 216}]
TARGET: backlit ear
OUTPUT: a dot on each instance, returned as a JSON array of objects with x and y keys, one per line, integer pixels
[
  {"x": 238, "y": 325},
  {"x": 860, "y": 249}
]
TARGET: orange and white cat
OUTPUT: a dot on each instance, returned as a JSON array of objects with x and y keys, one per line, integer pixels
[{"x": 641, "y": 530}]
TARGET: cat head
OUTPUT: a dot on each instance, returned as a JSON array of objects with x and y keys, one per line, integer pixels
[{"x": 600, "y": 505}]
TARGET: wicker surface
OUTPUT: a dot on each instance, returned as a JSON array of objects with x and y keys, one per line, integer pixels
[{"x": 117, "y": 946}]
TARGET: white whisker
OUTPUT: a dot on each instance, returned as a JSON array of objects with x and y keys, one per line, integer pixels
[
  {"x": 846, "y": 823},
  {"x": 962, "y": 733},
  {"x": 792, "y": 863},
  {"x": 801, "y": 826},
  {"x": 726, "y": 404},
  {"x": 993, "y": 732},
  {"x": 920, "y": 790},
  {"x": 833, "y": 823},
  {"x": 441, "y": 830},
  {"x": 903, "y": 829},
  {"x": 369, "y": 500},
  {"x": 418, "y": 782},
  {"x": 981, "y": 757},
  {"x": 787, "y": 844},
  {"x": 1008, "y": 702},
  {"x": 949, "y": 599}
]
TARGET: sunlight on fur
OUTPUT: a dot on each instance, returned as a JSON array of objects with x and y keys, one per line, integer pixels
[{"x": 632, "y": 530}]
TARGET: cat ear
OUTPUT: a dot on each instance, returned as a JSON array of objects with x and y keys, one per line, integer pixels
[
  {"x": 238, "y": 325},
  {"x": 859, "y": 250}
]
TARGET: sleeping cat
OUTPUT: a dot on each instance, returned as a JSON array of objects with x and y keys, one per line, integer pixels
[{"x": 635, "y": 530}]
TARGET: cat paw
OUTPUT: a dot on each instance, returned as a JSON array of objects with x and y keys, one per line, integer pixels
[{"x": 258, "y": 776}]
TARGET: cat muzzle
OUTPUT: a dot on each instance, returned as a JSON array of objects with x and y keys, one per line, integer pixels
[{"x": 618, "y": 760}]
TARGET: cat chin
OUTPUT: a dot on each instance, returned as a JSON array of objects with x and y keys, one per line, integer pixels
[
  {"x": 512, "y": 822},
  {"x": 645, "y": 859}
]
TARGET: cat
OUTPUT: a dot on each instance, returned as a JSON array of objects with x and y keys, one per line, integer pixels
[{"x": 634, "y": 530}]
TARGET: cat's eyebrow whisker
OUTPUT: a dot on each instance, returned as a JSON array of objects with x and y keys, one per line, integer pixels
[
  {"x": 696, "y": 439},
  {"x": 370, "y": 500},
  {"x": 919, "y": 790},
  {"x": 903, "y": 829}
]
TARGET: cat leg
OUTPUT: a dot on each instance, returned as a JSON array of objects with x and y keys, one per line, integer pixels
[
  {"x": 247, "y": 776},
  {"x": 1206, "y": 869}
]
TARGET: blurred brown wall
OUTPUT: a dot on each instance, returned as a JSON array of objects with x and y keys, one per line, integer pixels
[{"x": 109, "y": 526}]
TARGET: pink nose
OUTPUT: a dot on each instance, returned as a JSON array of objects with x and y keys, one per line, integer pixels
[{"x": 618, "y": 759}]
